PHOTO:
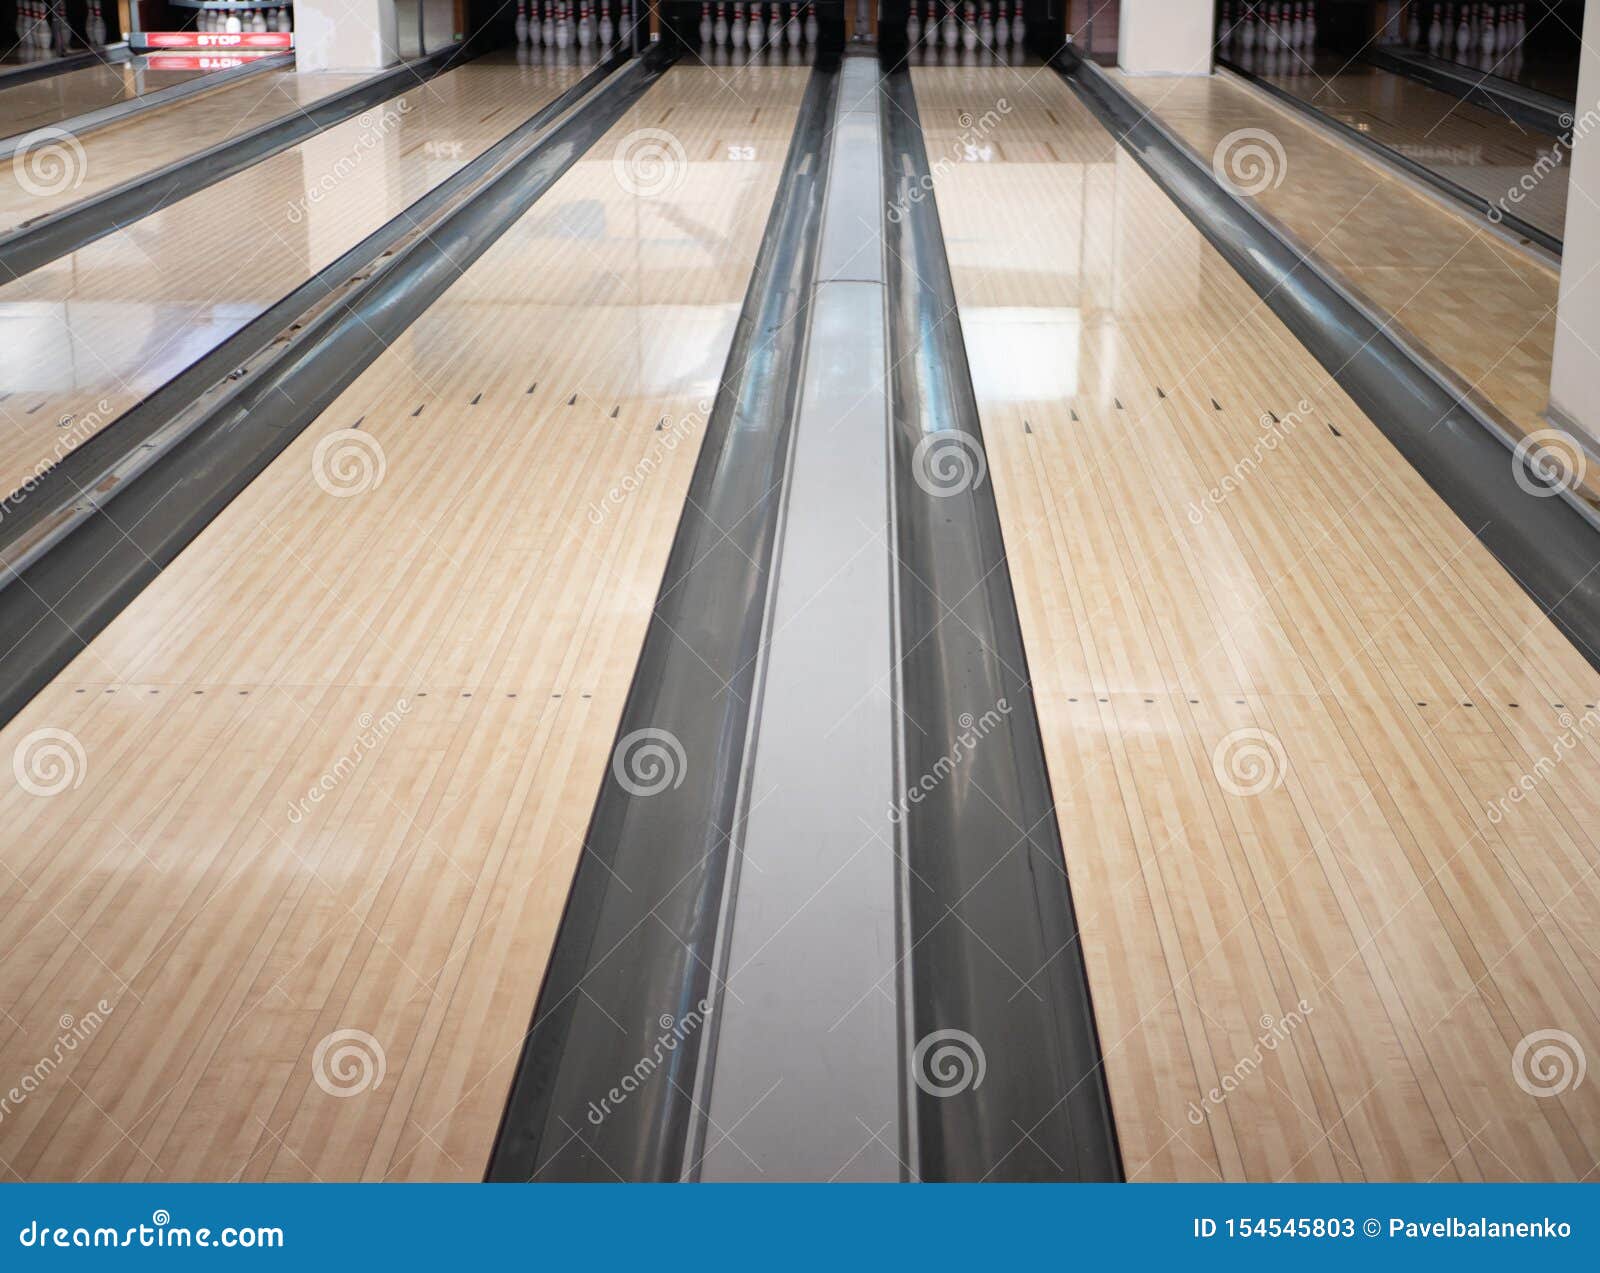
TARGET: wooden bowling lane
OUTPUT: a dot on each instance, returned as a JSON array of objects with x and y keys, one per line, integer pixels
[
  {"x": 147, "y": 141},
  {"x": 87, "y": 336},
  {"x": 337, "y": 761},
  {"x": 1325, "y": 776},
  {"x": 1480, "y": 307},
  {"x": 1478, "y": 148},
  {"x": 58, "y": 98}
]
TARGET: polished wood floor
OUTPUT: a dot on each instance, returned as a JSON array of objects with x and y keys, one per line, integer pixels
[
  {"x": 441, "y": 657},
  {"x": 1481, "y": 149},
  {"x": 152, "y": 139},
  {"x": 58, "y": 98},
  {"x": 87, "y": 336},
  {"x": 1286, "y": 696},
  {"x": 1485, "y": 310}
]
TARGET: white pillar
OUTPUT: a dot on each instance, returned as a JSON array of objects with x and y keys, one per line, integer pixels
[
  {"x": 1165, "y": 37},
  {"x": 1575, "y": 373},
  {"x": 345, "y": 35}
]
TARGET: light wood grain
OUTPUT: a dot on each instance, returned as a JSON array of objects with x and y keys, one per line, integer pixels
[
  {"x": 152, "y": 139},
  {"x": 1483, "y": 309},
  {"x": 87, "y": 336},
  {"x": 478, "y": 582},
  {"x": 1397, "y": 681}
]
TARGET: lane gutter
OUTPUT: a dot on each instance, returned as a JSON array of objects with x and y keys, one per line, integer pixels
[
  {"x": 629, "y": 975},
  {"x": 38, "y": 242},
  {"x": 1549, "y": 542},
  {"x": 988, "y": 899},
  {"x": 43, "y": 70},
  {"x": 89, "y": 121},
  {"x": 58, "y": 601},
  {"x": 40, "y": 512},
  {"x": 1498, "y": 218},
  {"x": 1541, "y": 111}
]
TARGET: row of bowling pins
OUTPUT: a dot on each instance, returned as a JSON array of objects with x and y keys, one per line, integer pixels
[
  {"x": 550, "y": 23},
  {"x": 974, "y": 27},
  {"x": 719, "y": 33},
  {"x": 1267, "y": 27},
  {"x": 234, "y": 21},
  {"x": 1472, "y": 28},
  {"x": 38, "y": 23}
]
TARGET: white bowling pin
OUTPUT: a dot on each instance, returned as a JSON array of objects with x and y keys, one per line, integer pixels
[
  {"x": 952, "y": 31},
  {"x": 913, "y": 26},
  {"x": 969, "y": 33},
  {"x": 811, "y": 23},
  {"x": 774, "y": 26},
  {"x": 1019, "y": 28},
  {"x": 719, "y": 28},
  {"x": 522, "y": 22},
  {"x": 792, "y": 27}
]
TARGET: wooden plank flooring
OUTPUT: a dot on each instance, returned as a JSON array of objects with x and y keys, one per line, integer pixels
[
  {"x": 56, "y": 98},
  {"x": 441, "y": 657},
  {"x": 152, "y": 139},
  {"x": 1481, "y": 149},
  {"x": 1483, "y": 309},
  {"x": 1285, "y": 694},
  {"x": 87, "y": 336}
]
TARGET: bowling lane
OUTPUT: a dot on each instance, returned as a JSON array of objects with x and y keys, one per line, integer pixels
[
  {"x": 338, "y": 760},
  {"x": 150, "y": 140},
  {"x": 87, "y": 336},
  {"x": 57, "y": 98},
  {"x": 1481, "y": 150},
  {"x": 1288, "y": 701},
  {"x": 1483, "y": 309}
]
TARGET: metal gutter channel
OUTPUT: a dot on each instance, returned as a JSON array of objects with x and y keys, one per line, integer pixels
[
  {"x": 629, "y": 977},
  {"x": 1475, "y": 203},
  {"x": 78, "y": 125},
  {"x": 1005, "y": 1056},
  {"x": 108, "y": 557},
  {"x": 41, "y": 512},
  {"x": 1550, "y": 544},
  {"x": 806, "y": 1021},
  {"x": 1528, "y": 106},
  {"x": 44, "y": 70},
  {"x": 39, "y": 242}
]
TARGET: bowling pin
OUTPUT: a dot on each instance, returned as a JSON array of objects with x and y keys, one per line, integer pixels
[
  {"x": 913, "y": 26},
  {"x": 1019, "y": 29},
  {"x": 811, "y": 23},
  {"x": 1002, "y": 28},
  {"x": 719, "y": 28},
  {"x": 522, "y": 22},
  {"x": 951, "y": 28}
]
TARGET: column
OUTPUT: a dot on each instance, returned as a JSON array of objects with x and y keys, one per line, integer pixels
[
  {"x": 1575, "y": 374},
  {"x": 1165, "y": 37},
  {"x": 345, "y": 35}
]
